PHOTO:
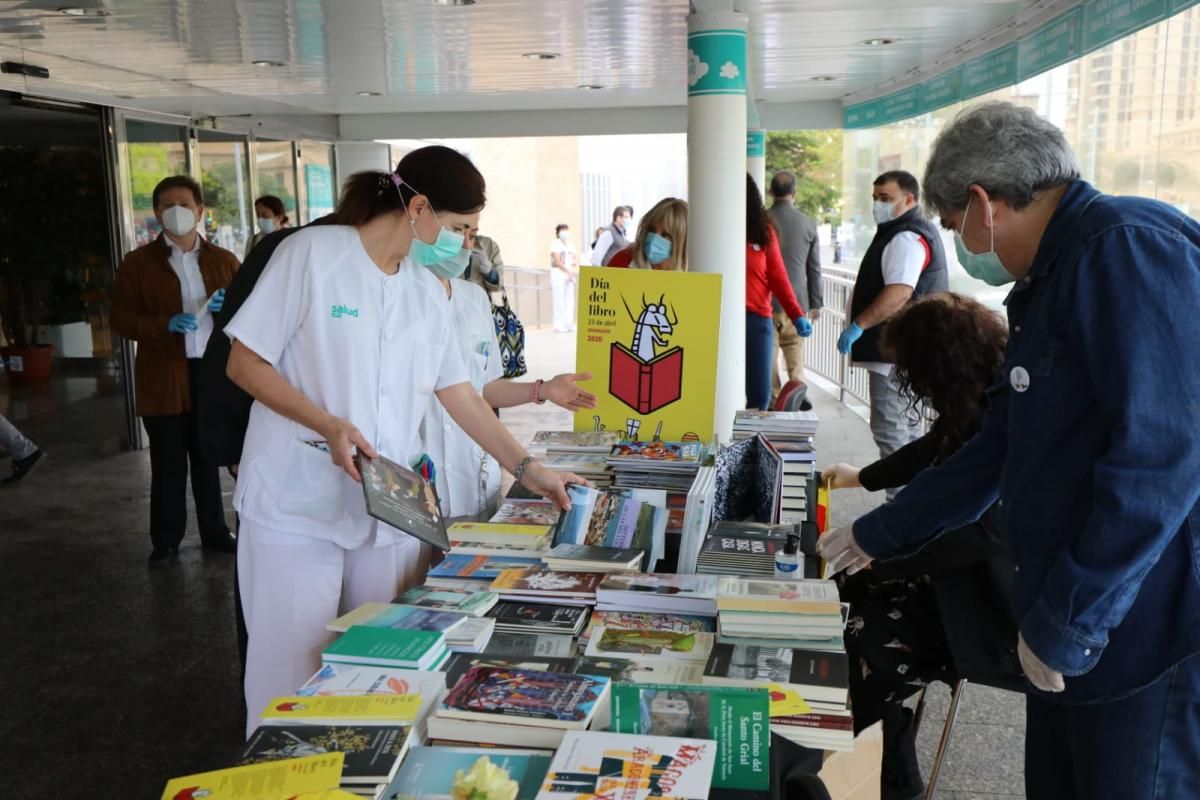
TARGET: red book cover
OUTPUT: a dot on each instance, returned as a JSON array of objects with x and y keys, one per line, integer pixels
[{"x": 645, "y": 386}]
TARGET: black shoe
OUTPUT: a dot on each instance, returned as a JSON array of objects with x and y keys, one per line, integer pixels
[
  {"x": 162, "y": 556},
  {"x": 221, "y": 543},
  {"x": 23, "y": 466},
  {"x": 805, "y": 405}
]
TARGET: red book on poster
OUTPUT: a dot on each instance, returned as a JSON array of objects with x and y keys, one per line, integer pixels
[{"x": 645, "y": 386}]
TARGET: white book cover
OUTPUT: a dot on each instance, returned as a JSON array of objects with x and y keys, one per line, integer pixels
[{"x": 592, "y": 764}]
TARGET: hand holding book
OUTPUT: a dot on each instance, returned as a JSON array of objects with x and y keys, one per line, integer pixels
[
  {"x": 549, "y": 483},
  {"x": 342, "y": 437}
]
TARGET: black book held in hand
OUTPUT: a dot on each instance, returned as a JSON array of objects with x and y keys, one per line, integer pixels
[{"x": 403, "y": 499}]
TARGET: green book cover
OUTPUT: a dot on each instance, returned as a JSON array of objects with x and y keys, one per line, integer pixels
[
  {"x": 737, "y": 719},
  {"x": 383, "y": 644}
]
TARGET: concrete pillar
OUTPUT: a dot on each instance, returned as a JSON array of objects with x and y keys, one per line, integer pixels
[
  {"x": 355, "y": 157},
  {"x": 756, "y": 158},
  {"x": 717, "y": 189}
]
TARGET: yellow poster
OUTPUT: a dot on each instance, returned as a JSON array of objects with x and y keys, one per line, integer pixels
[{"x": 649, "y": 339}]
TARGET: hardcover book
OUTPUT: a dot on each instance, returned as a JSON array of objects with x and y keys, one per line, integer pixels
[
  {"x": 591, "y": 765},
  {"x": 372, "y": 752},
  {"x": 473, "y": 603},
  {"x": 402, "y": 499},
  {"x": 606, "y": 518},
  {"x": 737, "y": 719},
  {"x": 528, "y": 697},
  {"x": 428, "y": 773},
  {"x": 291, "y": 777},
  {"x": 600, "y": 559},
  {"x": 639, "y": 645},
  {"x": 480, "y": 568}
]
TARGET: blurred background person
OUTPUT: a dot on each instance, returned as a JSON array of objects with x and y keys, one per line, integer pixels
[
  {"x": 271, "y": 216},
  {"x": 661, "y": 241},
  {"x": 801, "y": 250},
  {"x": 563, "y": 279}
]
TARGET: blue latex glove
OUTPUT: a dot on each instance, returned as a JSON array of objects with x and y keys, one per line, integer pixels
[
  {"x": 182, "y": 323},
  {"x": 848, "y": 338},
  {"x": 803, "y": 326},
  {"x": 217, "y": 301}
]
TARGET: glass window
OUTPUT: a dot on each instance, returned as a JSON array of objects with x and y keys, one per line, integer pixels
[
  {"x": 155, "y": 151},
  {"x": 225, "y": 178},
  {"x": 276, "y": 173},
  {"x": 316, "y": 170}
]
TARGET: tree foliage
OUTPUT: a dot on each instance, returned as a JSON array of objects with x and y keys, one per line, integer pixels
[{"x": 816, "y": 158}]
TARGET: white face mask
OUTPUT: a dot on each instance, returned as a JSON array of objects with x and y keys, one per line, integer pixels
[
  {"x": 562, "y": 236},
  {"x": 179, "y": 220},
  {"x": 266, "y": 224},
  {"x": 883, "y": 212}
]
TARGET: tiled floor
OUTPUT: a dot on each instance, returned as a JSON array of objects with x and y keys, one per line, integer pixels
[{"x": 117, "y": 678}]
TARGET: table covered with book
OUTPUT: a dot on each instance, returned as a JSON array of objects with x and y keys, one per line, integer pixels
[{"x": 667, "y": 634}]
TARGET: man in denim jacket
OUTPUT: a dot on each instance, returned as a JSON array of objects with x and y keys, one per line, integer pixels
[{"x": 1090, "y": 451}]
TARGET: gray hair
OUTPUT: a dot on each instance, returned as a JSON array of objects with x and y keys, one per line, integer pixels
[{"x": 1007, "y": 149}]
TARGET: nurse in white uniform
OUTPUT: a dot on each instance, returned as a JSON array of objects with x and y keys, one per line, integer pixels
[
  {"x": 467, "y": 478},
  {"x": 342, "y": 343}
]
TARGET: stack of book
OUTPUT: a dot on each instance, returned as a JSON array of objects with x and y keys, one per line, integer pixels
[
  {"x": 388, "y": 647},
  {"x": 473, "y": 603},
  {"x": 585, "y": 558},
  {"x": 647, "y": 620},
  {"x": 791, "y": 433},
  {"x": 540, "y": 584},
  {"x": 589, "y": 466},
  {"x": 538, "y": 618},
  {"x": 555, "y": 443},
  {"x": 526, "y": 708},
  {"x": 473, "y": 573},
  {"x": 664, "y": 594},
  {"x": 821, "y": 678},
  {"x": 742, "y": 548},
  {"x": 655, "y": 465},
  {"x": 697, "y": 516},
  {"x": 783, "y": 613},
  {"x": 463, "y": 633}
]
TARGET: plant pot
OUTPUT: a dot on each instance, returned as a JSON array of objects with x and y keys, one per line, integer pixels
[{"x": 27, "y": 365}]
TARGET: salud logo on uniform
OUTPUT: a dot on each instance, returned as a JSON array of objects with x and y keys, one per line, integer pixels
[{"x": 339, "y": 311}]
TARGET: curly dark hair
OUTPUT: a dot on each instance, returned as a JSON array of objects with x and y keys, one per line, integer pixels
[
  {"x": 947, "y": 350},
  {"x": 758, "y": 222}
]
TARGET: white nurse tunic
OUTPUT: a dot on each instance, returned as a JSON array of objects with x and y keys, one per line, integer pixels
[
  {"x": 370, "y": 348},
  {"x": 468, "y": 479}
]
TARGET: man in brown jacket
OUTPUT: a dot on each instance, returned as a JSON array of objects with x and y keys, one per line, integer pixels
[{"x": 166, "y": 293}]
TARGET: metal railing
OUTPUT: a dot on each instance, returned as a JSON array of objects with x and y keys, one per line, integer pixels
[
  {"x": 820, "y": 352},
  {"x": 529, "y": 295}
]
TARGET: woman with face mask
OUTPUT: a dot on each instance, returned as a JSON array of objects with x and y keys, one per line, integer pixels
[
  {"x": 562, "y": 280},
  {"x": 766, "y": 275},
  {"x": 661, "y": 241},
  {"x": 271, "y": 215},
  {"x": 343, "y": 343},
  {"x": 467, "y": 478}
]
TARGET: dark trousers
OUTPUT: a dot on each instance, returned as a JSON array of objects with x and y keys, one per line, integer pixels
[
  {"x": 174, "y": 445},
  {"x": 1142, "y": 747},
  {"x": 760, "y": 351}
]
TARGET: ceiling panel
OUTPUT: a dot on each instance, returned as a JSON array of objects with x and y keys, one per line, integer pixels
[{"x": 197, "y": 57}]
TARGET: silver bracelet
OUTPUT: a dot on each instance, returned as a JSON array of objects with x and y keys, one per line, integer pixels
[{"x": 519, "y": 472}]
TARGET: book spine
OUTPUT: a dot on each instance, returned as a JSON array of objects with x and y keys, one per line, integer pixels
[{"x": 645, "y": 381}]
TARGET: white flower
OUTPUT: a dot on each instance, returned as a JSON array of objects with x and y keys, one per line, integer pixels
[
  {"x": 485, "y": 781},
  {"x": 697, "y": 69},
  {"x": 730, "y": 70}
]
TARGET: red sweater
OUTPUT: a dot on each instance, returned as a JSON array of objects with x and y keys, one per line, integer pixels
[{"x": 765, "y": 276}]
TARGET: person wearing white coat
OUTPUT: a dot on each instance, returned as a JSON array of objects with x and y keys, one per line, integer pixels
[
  {"x": 466, "y": 477},
  {"x": 342, "y": 344}
]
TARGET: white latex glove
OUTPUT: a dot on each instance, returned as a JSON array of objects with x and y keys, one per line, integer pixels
[
  {"x": 1040, "y": 675},
  {"x": 841, "y": 552}
]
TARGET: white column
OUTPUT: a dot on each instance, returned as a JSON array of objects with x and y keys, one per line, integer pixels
[
  {"x": 756, "y": 158},
  {"x": 355, "y": 157},
  {"x": 717, "y": 189}
]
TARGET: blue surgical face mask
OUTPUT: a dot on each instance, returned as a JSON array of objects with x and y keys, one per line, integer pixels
[
  {"x": 444, "y": 248},
  {"x": 451, "y": 267},
  {"x": 985, "y": 267},
  {"x": 883, "y": 212},
  {"x": 657, "y": 249}
]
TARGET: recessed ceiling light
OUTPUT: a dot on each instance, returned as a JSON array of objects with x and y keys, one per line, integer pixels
[
  {"x": 368, "y": 94},
  {"x": 262, "y": 62},
  {"x": 540, "y": 56},
  {"x": 879, "y": 42},
  {"x": 823, "y": 78},
  {"x": 589, "y": 86},
  {"x": 79, "y": 11},
  {"x": 454, "y": 2}
]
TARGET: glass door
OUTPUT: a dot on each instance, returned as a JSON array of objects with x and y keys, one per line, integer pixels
[{"x": 225, "y": 180}]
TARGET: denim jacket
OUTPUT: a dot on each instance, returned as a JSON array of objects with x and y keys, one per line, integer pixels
[{"x": 1090, "y": 448}]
